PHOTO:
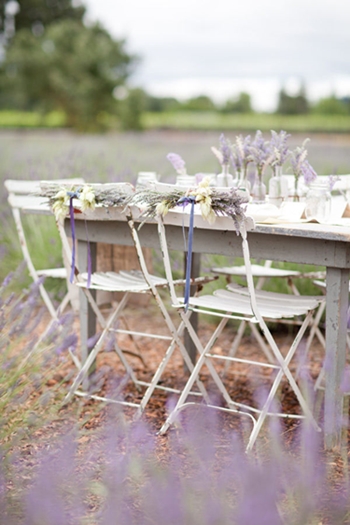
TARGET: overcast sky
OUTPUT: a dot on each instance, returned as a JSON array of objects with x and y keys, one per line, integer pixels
[{"x": 221, "y": 47}]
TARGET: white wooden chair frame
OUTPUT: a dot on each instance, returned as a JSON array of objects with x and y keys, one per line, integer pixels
[{"x": 253, "y": 308}]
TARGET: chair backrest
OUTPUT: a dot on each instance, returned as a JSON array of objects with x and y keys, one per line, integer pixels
[
  {"x": 24, "y": 195},
  {"x": 246, "y": 225},
  {"x": 104, "y": 189}
]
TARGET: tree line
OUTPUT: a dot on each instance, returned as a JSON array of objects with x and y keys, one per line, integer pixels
[{"x": 51, "y": 59}]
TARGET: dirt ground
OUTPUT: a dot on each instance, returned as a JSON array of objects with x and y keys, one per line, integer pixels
[{"x": 243, "y": 382}]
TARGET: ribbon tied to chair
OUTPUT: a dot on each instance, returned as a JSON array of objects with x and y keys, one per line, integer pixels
[
  {"x": 184, "y": 201},
  {"x": 75, "y": 195}
]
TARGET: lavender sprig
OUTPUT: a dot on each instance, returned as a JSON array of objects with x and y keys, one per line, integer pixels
[
  {"x": 260, "y": 154},
  {"x": 224, "y": 153},
  {"x": 279, "y": 150},
  {"x": 177, "y": 162},
  {"x": 242, "y": 153},
  {"x": 308, "y": 173}
]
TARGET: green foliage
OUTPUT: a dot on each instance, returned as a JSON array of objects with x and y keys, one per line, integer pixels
[
  {"x": 240, "y": 104},
  {"x": 289, "y": 105},
  {"x": 200, "y": 103},
  {"x": 131, "y": 109},
  {"x": 160, "y": 104},
  {"x": 35, "y": 13},
  {"x": 71, "y": 68},
  {"x": 332, "y": 106}
]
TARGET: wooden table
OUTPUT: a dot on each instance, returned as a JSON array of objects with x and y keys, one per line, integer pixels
[{"x": 302, "y": 243}]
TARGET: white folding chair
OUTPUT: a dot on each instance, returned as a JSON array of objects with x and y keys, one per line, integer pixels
[
  {"x": 262, "y": 273},
  {"x": 128, "y": 283},
  {"x": 243, "y": 304},
  {"x": 24, "y": 198}
]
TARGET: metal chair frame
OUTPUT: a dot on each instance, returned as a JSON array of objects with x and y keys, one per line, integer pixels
[
  {"x": 24, "y": 198},
  {"x": 249, "y": 306},
  {"x": 128, "y": 282}
]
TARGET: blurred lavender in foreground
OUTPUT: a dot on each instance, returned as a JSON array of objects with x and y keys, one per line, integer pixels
[{"x": 123, "y": 476}]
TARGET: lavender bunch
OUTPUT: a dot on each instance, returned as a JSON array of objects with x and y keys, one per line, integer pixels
[
  {"x": 177, "y": 162},
  {"x": 260, "y": 154},
  {"x": 224, "y": 153},
  {"x": 279, "y": 151},
  {"x": 301, "y": 166},
  {"x": 242, "y": 154}
]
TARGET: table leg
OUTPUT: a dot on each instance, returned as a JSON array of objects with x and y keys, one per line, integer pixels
[
  {"x": 337, "y": 301},
  {"x": 86, "y": 314}
]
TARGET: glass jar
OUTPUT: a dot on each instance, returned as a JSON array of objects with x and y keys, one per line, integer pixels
[
  {"x": 146, "y": 179},
  {"x": 318, "y": 202}
]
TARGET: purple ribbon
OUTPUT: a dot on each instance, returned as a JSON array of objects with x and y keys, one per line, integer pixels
[
  {"x": 184, "y": 201},
  {"x": 75, "y": 195},
  {"x": 72, "y": 195}
]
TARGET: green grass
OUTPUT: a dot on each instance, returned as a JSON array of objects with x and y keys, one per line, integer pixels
[
  {"x": 195, "y": 120},
  {"x": 190, "y": 120},
  {"x": 27, "y": 119}
]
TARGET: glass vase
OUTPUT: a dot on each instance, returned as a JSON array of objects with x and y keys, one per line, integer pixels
[
  {"x": 259, "y": 191},
  {"x": 225, "y": 179},
  {"x": 243, "y": 182},
  {"x": 318, "y": 202},
  {"x": 278, "y": 187}
]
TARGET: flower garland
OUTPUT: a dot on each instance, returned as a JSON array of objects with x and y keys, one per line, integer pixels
[
  {"x": 88, "y": 196},
  {"x": 211, "y": 202}
]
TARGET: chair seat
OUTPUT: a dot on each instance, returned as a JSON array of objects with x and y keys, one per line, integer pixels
[
  {"x": 271, "y": 305},
  {"x": 258, "y": 270},
  {"x": 57, "y": 273},
  {"x": 124, "y": 281}
]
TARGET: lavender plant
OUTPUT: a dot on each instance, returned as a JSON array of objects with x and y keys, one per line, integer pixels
[
  {"x": 122, "y": 477},
  {"x": 24, "y": 400}
]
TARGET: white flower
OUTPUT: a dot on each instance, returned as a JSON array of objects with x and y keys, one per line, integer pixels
[
  {"x": 60, "y": 209},
  {"x": 203, "y": 198},
  {"x": 162, "y": 208},
  {"x": 61, "y": 204},
  {"x": 87, "y": 198}
]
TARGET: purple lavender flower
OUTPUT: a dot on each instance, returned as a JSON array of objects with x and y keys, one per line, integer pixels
[
  {"x": 178, "y": 163},
  {"x": 226, "y": 149},
  {"x": 242, "y": 154},
  {"x": 308, "y": 173},
  {"x": 259, "y": 152},
  {"x": 332, "y": 179},
  {"x": 279, "y": 148}
]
